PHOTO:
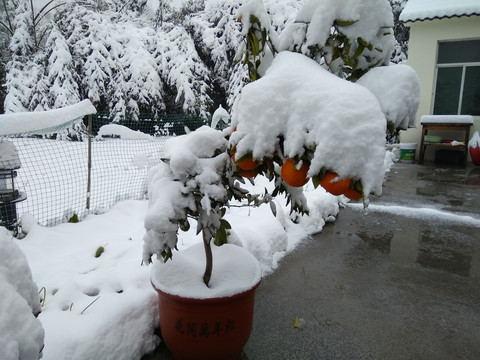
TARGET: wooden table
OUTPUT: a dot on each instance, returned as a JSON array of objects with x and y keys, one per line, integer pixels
[{"x": 445, "y": 122}]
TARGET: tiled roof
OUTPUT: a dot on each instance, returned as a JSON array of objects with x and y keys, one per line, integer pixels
[{"x": 421, "y": 10}]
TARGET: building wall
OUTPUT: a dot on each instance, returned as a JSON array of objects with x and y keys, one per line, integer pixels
[{"x": 422, "y": 55}]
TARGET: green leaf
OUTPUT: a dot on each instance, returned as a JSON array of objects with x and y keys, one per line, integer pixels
[
  {"x": 254, "y": 43},
  {"x": 361, "y": 41},
  {"x": 359, "y": 50},
  {"x": 184, "y": 225},
  {"x": 344, "y": 22},
  {"x": 99, "y": 251},
  {"x": 220, "y": 237},
  {"x": 243, "y": 158},
  {"x": 74, "y": 219},
  {"x": 273, "y": 208},
  {"x": 225, "y": 224},
  {"x": 316, "y": 181}
]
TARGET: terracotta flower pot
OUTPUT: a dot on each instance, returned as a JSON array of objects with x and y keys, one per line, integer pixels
[
  {"x": 199, "y": 322},
  {"x": 213, "y": 329},
  {"x": 475, "y": 154}
]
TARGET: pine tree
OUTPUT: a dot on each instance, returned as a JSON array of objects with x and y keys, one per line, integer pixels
[
  {"x": 62, "y": 85},
  {"x": 19, "y": 84}
]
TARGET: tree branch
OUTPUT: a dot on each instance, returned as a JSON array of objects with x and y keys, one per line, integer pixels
[{"x": 209, "y": 259}]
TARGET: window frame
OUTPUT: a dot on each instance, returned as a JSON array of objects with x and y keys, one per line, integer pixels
[{"x": 462, "y": 65}]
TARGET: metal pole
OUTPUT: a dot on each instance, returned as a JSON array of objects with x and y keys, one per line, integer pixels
[{"x": 89, "y": 160}]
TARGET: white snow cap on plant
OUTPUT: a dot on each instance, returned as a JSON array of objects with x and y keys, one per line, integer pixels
[
  {"x": 256, "y": 8},
  {"x": 397, "y": 89},
  {"x": 474, "y": 141},
  {"x": 308, "y": 106},
  {"x": 219, "y": 115}
]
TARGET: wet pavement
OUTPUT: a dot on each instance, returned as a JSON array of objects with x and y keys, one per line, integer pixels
[{"x": 401, "y": 281}]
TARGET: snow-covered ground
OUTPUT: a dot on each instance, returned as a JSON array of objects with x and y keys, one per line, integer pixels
[
  {"x": 97, "y": 301},
  {"x": 104, "y": 307}
]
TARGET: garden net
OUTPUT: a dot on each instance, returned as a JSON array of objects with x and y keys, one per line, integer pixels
[{"x": 55, "y": 174}]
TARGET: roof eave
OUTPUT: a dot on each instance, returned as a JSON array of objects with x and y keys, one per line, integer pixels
[{"x": 439, "y": 17}]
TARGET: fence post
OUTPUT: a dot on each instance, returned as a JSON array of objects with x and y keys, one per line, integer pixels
[{"x": 89, "y": 160}]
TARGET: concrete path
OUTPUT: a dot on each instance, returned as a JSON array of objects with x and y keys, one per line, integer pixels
[{"x": 400, "y": 282}]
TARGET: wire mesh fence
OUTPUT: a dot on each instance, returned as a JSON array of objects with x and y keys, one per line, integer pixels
[{"x": 91, "y": 165}]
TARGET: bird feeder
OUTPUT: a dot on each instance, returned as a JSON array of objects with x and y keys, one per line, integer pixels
[{"x": 9, "y": 194}]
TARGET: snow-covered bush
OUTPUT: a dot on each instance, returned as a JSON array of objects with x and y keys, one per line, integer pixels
[
  {"x": 296, "y": 112},
  {"x": 22, "y": 334}
]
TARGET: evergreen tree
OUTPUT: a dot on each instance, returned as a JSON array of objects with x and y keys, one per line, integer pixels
[
  {"x": 402, "y": 33},
  {"x": 62, "y": 86},
  {"x": 19, "y": 80}
]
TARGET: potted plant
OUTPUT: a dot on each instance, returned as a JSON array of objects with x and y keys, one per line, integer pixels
[
  {"x": 474, "y": 147},
  {"x": 293, "y": 122}
]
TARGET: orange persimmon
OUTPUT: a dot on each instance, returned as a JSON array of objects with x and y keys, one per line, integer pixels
[
  {"x": 335, "y": 186},
  {"x": 353, "y": 194},
  {"x": 293, "y": 176},
  {"x": 248, "y": 164}
]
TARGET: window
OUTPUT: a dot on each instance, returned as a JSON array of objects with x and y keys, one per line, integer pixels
[{"x": 457, "y": 89}]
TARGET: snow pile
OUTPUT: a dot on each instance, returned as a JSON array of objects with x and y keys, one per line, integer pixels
[
  {"x": 430, "y": 9},
  {"x": 105, "y": 307},
  {"x": 98, "y": 305},
  {"x": 397, "y": 89},
  {"x": 22, "y": 334},
  {"x": 310, "y": 107},
  {"x": 123, "y": 132},
  {"x": 44, "y": 121}
]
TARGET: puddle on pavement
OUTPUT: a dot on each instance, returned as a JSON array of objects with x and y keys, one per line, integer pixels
[{"x": 411, "y": 242}]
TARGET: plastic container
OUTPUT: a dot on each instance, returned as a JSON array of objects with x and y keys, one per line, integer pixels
[
  {"x": 432, "y": 139},
  {"x": 407, "y": 152}
]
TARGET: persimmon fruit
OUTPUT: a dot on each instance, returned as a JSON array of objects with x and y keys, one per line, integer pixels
[
  {"x": 248, "y": 173},
  {"x": 293, "y": 176},
  {"x": 335, "y": 186},
  {"x": 353, "y": 194},
  {"x": 248, "y": 164}
]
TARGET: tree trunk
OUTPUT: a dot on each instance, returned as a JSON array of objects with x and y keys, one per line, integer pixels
[{"x": 208, "y": 259}]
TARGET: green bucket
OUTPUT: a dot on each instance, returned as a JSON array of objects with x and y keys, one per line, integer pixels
[{"x": 407, "y": 152}]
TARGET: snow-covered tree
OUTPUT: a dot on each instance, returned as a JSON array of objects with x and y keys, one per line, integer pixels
[
  {"x": 61, "y": 77},
  {"x": 162, "y": 55},
  {"x": 19, "y": 82},
  {"x": 216, "y": 33},
  {"x": 345, "y": 36},
  {"x": 137, "y": 86},
  {"x": 183, "y": 70},
  {"x": 402, "y": 33}
]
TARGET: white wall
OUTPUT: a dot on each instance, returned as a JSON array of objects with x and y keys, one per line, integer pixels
[{"x": 422, "y": 54}]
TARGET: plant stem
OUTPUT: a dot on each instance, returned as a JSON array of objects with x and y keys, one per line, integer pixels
[{"x": 208, "y": 259}]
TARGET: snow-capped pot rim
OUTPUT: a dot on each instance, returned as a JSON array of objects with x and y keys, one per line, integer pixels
[{"x": 236, "y": 271}]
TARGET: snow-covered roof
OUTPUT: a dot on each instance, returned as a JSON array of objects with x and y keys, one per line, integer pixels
[
  {"x": 420, "y": 10},
  {"x": 44, "y": 121}
]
